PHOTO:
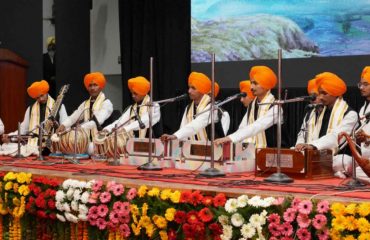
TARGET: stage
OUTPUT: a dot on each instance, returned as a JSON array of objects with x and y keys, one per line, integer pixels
[{"x": 233, "y": 184}]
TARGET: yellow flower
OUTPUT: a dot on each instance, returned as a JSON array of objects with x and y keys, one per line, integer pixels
[
  {"x": 154, "y": 192},
  {"x": 165, "y": 194},
  {"x": 9, "y": 176},
  {"x": 338, "y": 223},
  {"x": 170, "y": 214},
  {"x": 175, "y": 196},
  {"x": 364, "y": 209},
  {"x": 364, "y": 236},
  {"x": 8, "y": 186},
  {"x": 160, "y": 221},
  {"x": 142, "y": 191},
  {"x": 3, "y": 210},
  {"x": 163, "y": 235},
  {"x": 349, "y": 237},
  {"x": 351, "y": 209},
  {"x": 136, "y": 229},
  {"x": 334, "y": 234},
  {"x": 134, "y": 209},
  {"x": 337, "y": 209},
  {"x": 144, "y": 209},
  {"x": 23, "y": 177},
  {"x": 145, "y": 221},
  {"x": 16, "y": 201},
  {"x": 15, "y": 187},
  {"x": 351, "y": 223},
  {"x": 150, "y": 230},
  {"x": 24, "y": 190},
  {"x": 363, "y": 225}
]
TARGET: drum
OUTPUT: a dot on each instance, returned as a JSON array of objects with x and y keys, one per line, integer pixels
[
  {"x": 67, "y": 142},
  {"x": 100, "y": 145},
  {"x": 55, "y": 140},
  {"x": 122, "y": 137}
]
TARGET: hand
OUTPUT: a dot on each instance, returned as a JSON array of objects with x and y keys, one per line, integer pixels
[
  {"x": 361, "y": 136},
  {"x": 167, "y": 137},
  {"x": 304, "y": 146},
  {"x": 61, "y": 129},
  {"x": 104, "y": 132},
  {"x": 5, "y": 138},
  {"x": 223, "y": 140}
]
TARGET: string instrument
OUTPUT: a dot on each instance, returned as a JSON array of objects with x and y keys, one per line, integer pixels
[{"x": 364, "y": 163}]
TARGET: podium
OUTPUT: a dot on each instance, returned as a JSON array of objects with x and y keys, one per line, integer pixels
[{"x": 13, "y": 75}]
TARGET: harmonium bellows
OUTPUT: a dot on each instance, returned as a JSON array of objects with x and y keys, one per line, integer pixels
[{"x": 310, "y": 164}]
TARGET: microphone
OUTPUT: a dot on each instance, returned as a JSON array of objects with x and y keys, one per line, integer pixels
[
  {"x": 174, "y": 99},
  {"x": 312, "y": 105},
  {"x": 238, "y": 95},
  {"x": 98, "y": 126},
  {"x": 138, "y": 118},
  {"x": 178, "y": 98}
]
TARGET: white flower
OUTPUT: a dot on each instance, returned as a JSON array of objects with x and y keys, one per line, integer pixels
[
  {"x": 82, "y": 209},
  {"x": 231, "y": 205},
  {"x": 242, "y": 201},
  {"x": 81, "y": 184},
  {"x": 255, "y": 201},
  {"x": 85, "y": 197},
  {"x": 59, "y": 206},
  {"x": 260, "y": 235},
  {"x": 269, "y": 200},
  {"x": 67, "y": 184},
  {"x": 224, "y": 220},
  {"x": 264, "y": 213},
  {"x": 59, "y": 196},
  {"x": 70, "y": 217},
  {"x": 262, "y": 219},
  {"x": 237, "y": 219},
  {"x": 89, "y": 184},
  {"x": 227, "y": 232},
  {"x": 74, "y": 206},
  {"x": 70, "y": 193},
  {"x": 242, "y": 239},
  {"x": 77, "y": 194},
  {"x": 82, "y": 217},
  {"x": 61, "y": 218},
  {"x": 255, "y": 220},
  {"x": 66, "y": 207},
  {"x": 247, "y": 231}
]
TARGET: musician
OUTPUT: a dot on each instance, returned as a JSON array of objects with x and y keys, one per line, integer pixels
[
  {"x": 261, "y": 114},
  {"x": 136, "y": 115},
  {"x": 224, "y": 124},
  {"x": 363, "y": 135},
  {"x": 336, "y": 117},
  {"x": 1, "y": 127},
  {"x": 194, "y": 126},
  {"x": 94, "y": 111},
  {"x": 36, "y": 114}
]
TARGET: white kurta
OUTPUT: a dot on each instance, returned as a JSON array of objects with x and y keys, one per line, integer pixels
[
  {"x": 1, "y": 127},
  {"x": 365, "y": 150}
]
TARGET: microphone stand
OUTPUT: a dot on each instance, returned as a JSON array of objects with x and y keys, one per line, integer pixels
[
  {"x": 218, "y": 105},
  {"x": 115, "y": 162},
  {"x": 279, "y": 177},
  {"x": 19, "y": 155},
  {"x": 212, "y": 171},
  {"x": 41, "y": 129},
  {"x": 150, "y": 165}
]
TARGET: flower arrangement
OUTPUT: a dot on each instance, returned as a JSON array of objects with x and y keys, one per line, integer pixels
[
  {"x": 350, "y": 221},
  {"x": 110, "y": 208}
]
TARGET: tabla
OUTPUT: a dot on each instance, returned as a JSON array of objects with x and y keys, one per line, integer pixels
[
  {"x": 104, "y": 145},
  {"x": 67, "y": 141}
]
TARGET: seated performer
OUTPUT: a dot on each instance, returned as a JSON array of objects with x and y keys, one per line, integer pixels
[
  {"x": 1, "y": 127},
  {"x": 194, "y": 126},
  {"x": 222, "y": 114},
  {"x": 36, "y": 114},
  {"x": 94, "y": 111},
  {"x": 363, "y": 135},
  {"x": 261, "y": 115},
  {"x": 336, "y": 117},
  {"x": 136, "y": 115}
]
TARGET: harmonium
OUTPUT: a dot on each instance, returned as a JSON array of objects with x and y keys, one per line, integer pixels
[{"x": 310, "y": 164}]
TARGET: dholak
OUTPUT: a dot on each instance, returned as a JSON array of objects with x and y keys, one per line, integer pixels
[
  {"x": 55, "y": 140},
  {"x": 100, "y": 144},
  {"x": 67, "y": 142},
  {"x": 122, "y": 137}
]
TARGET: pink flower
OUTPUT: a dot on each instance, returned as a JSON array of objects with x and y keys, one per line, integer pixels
[
  {"x": 286, "y": 229},
  {"x": 124, "y": 218},
  {"x": 303, "y": 234},
  {"x": 105, "y": 197},
  {"x": 93, "y": 213},
  {"x": 273, "y": 238},
  {"x": 323, "y": 235},
  {"x": 92, "y": 221},
  {"x": 274, "y": 229},
  {"x": 118, "y": 189},
  {"x": 101, "y": 223},
  {"x": 102, "y": 210},
  {"x": 117, "y": 206},
  {"x": 323, "y": 206},
  {"x": 295, "y": 203},
  {"x": 125, "y": 208},
  {"x": 124, "y": 230},
  {"x": 94, "y": 197},
  {"x": 278, "y": 201},
  {"x": 111, "y": 225},
  {"x": 305, "y": 207},
  {"x": 114, "y": 217},
  {"x": 286, "y": 238},
  {"x": 111, "y": 185},
  {"x": 319, "y": 221},
  {"x": 131, "y": 194},
  {"x": 97, "y": 185},
  {"x": 289, "y": 214},
  {"x": 274, "y": 218},
  {"x": 303, "y": 220}
]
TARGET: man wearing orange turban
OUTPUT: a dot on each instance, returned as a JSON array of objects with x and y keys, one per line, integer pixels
[
  {"x": 36, "y": 114},
  {"x": 261, "y": 116},
  {"x": 336, "y": 117},
  {"x": 363, "y": 135},
  {"x": 194, "y": 126},
  {"x": 94, "y": 111},
  {"x": 136, "y": 118}
]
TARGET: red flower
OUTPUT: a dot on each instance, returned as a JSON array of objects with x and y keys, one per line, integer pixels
[
  {"x": 172, "y": 235},
  {"x": 207, "y": 201},
  {"x": 219, "y": 200},
  {"x": 199, "y": 229},
  {"x": 215, "y": 229},
  {"x": 180, "y": 217},
  {"x": 188, "y": 230},
  {"x": 52, "y": 216},
  {"x": 41, "y": 214},
  {"x": 40, "y": 201},
  {"x": 205, "y": 214},
  {"x": 185, "y": 197},
  {"x": 191, "y": 217},
  {"x": 196, "y": 198},
  {"x": 51, "y": 204}
]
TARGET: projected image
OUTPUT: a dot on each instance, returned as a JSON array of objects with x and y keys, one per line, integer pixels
[{"x": 255, "y": 29}]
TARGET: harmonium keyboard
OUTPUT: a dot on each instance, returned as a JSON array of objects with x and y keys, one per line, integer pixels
[{"x": 310, "y": 164}]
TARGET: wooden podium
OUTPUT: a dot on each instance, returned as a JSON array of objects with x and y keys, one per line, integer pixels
[{"x": 13, "y": 74}]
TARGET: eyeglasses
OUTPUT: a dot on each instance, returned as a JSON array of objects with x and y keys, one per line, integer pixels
[{"x": 361, "y": 84}]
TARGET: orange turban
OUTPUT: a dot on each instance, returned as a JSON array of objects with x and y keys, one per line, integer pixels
[
  {"x": 38, "y": 88},
  {"x": 217, "y": 89},
  {"x": 95, "y": 77},
  {"x": 366, "y": 74},
  {"x": 200, "y": 81},
  {"x": 331, "y": 83},
  {"x": 312, "y": 87},
  {"x": 245, "y": 86},
  {"x": 139, "y": 85},
  {"x": 264, "y": 76}
]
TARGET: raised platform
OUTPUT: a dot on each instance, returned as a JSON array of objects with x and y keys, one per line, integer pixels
[{"x": 233, "y": 184}]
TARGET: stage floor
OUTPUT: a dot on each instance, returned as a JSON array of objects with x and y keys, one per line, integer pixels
[{"x": 233, "y": 184}]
